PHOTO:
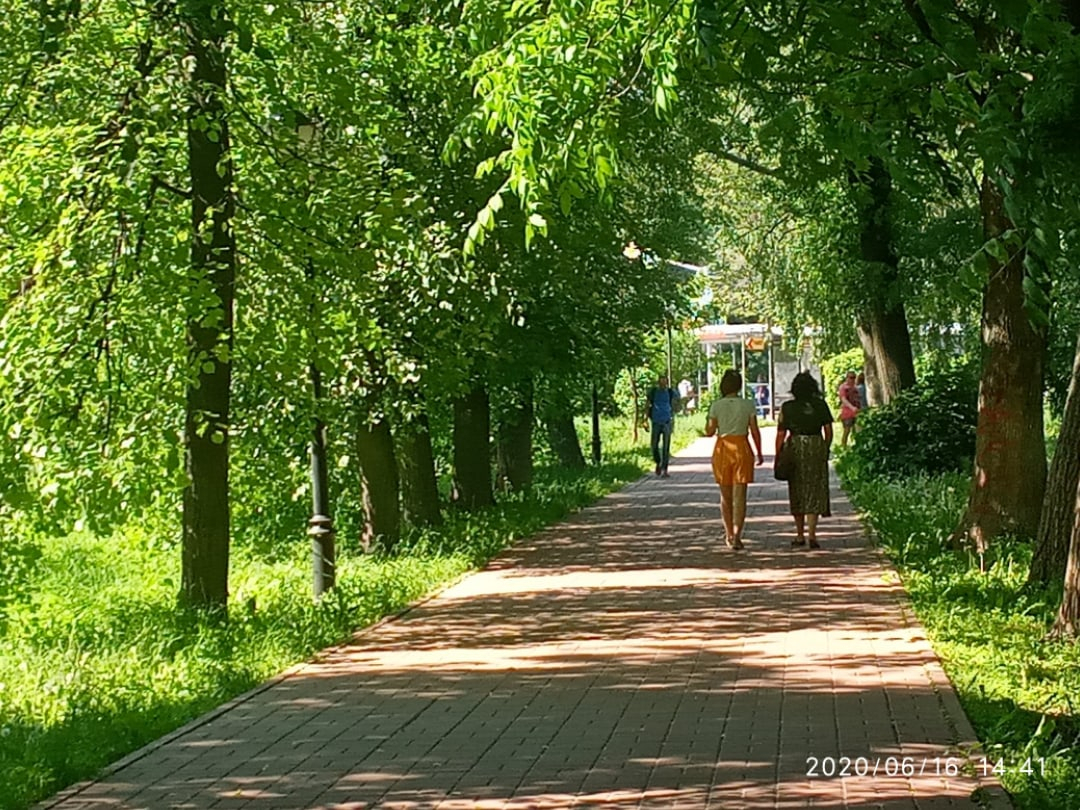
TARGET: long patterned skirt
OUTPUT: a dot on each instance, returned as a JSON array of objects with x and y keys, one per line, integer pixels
[{"x": 808, "y": 489}]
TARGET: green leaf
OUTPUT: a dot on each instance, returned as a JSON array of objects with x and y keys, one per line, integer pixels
[
  {"x": 725, "y": 73},
  {"x": 1035, "y": 295},
  {"x": 996, "y": 249},
  {"x": 755, "y": 65},
  {"x": 980, "y": 264},
  {"x": 1038, "y": 317},
  {"x": 565, "y": 199},
  {"x": 244, "y": 39}
]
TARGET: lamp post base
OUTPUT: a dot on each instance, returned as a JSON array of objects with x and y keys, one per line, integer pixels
[{"x": 321, "y": 532}]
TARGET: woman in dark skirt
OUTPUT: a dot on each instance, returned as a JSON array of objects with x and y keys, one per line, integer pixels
[{"x": 808, "y": 420}]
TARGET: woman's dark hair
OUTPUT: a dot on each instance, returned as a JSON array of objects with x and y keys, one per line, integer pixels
[
  {"x": 804, "y": 386},
  {"x": 730, "y": 382}
]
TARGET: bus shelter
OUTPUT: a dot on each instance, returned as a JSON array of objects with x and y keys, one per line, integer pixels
[{"x": 747, "y": 344}]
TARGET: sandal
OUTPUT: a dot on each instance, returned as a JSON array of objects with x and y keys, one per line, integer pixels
[
  {"x": 814, "y": 544},
  {"x": 798, "y": 543}
]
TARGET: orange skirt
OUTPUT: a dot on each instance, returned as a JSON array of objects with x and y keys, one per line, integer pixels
[{"x": 733, "y": 461}]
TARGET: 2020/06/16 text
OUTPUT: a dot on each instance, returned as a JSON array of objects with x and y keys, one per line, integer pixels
[{"x": 893, "y": 766}]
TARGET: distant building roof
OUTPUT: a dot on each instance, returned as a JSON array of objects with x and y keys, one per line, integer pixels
[{"x": 735, "y": 332}]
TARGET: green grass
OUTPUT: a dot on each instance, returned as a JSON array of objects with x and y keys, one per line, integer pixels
[
  {"x": 1020, "y": 690},
  {"x": 96, "y": 660}
]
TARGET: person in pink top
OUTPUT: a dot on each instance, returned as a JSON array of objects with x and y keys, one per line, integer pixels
[{"x": 850, "y": 404}]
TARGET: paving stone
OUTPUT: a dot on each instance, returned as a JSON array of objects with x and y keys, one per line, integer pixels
[{"x": 624, "y": 658}]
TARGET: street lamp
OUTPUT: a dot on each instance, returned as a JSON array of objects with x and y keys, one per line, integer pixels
[
  {"x": 595, "y": 426},
  {"x": 321, "y": 525},
  {"x": 667, "y": 325}
]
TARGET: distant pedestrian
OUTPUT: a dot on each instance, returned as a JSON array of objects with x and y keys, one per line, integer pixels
[
  {"x": 661, "y": 401},
  {"x": 849, "y": 405},
  {"x": 808, "y": 420},
  {"x": 864, "y": 403},
  {"x": 761, "y": 397},
  {"x": 730, "y": 418},
  {"x": 686, "y": 395}
]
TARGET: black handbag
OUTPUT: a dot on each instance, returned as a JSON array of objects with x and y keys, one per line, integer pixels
[{"x": 784, "y": 466}]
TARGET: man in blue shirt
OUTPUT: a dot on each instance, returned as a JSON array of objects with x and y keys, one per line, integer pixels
[{"x": 660, "y": 410}]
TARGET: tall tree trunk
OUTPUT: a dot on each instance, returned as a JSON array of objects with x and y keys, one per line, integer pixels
[
  {"x": 558, "y": 418},
  {"x": 874, "y": 392},
  {"x": 419, "y": 487},
  {"x": 564, "y": 441},
  {"x": 884, "y": 333},
  {"x": 514, "y": 445},
  {"x": 886, "y": 343},
  {"x": 1068, "y": 618},
  {"x": 1010, "y": 451},
  {"x": 472, "y": 450},
  {"x": 379, "y": 484},
  {"x": 1058, "y": 548},
  {"x": 205, "y": 544},
  {"x": 1057, "y": 519}
]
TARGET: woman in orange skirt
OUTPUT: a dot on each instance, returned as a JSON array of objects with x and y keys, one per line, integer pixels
[{"x": 730, "y": 419}]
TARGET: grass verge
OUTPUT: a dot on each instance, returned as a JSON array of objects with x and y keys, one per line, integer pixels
[
  {"x": 96, "y": 660},
  {"x": 1019, "y": 690}
]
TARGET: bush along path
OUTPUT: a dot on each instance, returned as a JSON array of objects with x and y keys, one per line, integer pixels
[{"x": 623, "y": 656}]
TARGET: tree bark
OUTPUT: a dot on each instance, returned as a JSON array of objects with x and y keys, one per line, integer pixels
[
  {"x": 886, "y": 343},
  {"x": 419, "y": 486},
  {"x": 1068, "y": 618},
  {"x": 379, "y": 484},
  {"x": 514, "y": 445},
  {"x": 874, "y": 392},
  {"x": 1057, "y": 520},
  {"x": 472, "y": 450},
  {"x": 205, "y": 538},
  {"x": 883, "y": 327},
  {"x": 563, "y": 437},
  {"x": 558, "y": 418},
  {"x": 1010, "y": 451}
]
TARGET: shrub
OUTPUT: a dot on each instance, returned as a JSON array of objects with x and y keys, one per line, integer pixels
[
  {"x": 18, "y": 556},
  {"x": 926, "y": 429}
]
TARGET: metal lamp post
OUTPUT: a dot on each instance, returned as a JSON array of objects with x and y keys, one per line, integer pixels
[
  {"x": 667, "y": 326},
  {"x": 595, "y": 426},
  {"x": 321, "y": 525}
]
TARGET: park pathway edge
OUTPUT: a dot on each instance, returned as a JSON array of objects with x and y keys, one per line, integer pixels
[{"x": 622, "y": 658}]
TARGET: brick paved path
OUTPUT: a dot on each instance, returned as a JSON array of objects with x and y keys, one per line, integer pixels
[{"x": 624, "y": 659}]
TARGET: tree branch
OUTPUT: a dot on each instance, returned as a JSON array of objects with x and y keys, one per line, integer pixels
[
  {"x": 918, "y": 16},
  {"x": 156, "y": 182},
  {"x": 747, "y": 163}
]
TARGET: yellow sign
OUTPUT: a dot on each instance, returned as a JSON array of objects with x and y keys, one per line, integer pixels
[{"x": 755, "y": 344}]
